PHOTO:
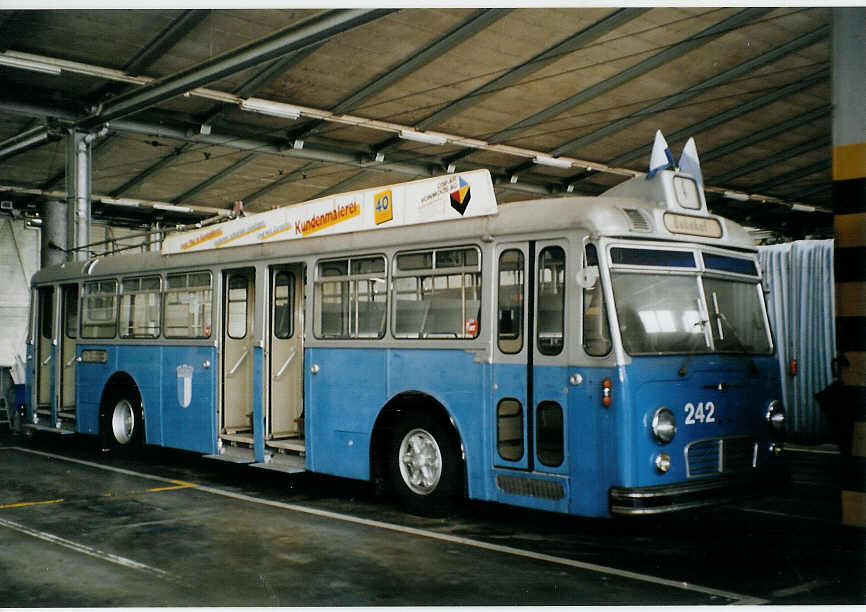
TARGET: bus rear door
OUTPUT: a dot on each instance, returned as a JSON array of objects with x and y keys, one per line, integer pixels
[
  {"x": 236, "y": 425},
  {"x": 68, "y": 335}
]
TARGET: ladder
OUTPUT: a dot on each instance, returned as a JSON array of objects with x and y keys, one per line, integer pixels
[{"x": 4, "y": 413}]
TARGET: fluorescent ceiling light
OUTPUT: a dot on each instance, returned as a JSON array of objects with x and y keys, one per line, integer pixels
[
  {"x": 734, "y": 195},
  {"x": 803, "y": 207},
  {"x": 554, "y": 162},
  {"x": 423, "y": 137},
  {"x": 173, "y": 208},
  {"x": 17, "y": 62},
  {"x": 268, "y": 107}
]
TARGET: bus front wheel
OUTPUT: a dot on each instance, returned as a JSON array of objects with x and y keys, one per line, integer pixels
[{"x": 426, "y": 470}]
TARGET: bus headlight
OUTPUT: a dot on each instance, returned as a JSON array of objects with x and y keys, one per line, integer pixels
[
  {"x": 664, "y": 425},
  {"x": 776, "y": 415},
  {"x": 663, "y": 462}
]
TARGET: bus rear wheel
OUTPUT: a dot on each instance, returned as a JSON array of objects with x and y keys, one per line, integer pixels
[
  {"x": 425, "y": 466},
  {"x": 122, "y": 423}
]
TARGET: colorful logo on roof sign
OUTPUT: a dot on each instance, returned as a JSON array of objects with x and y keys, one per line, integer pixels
[{"x": 460, "y": 198}]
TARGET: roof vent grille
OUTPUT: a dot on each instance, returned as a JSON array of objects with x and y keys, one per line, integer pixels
[{"x": 639, "y": 220}]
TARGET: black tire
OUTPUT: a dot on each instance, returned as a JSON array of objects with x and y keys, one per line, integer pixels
[
  {"x": 425, "y": 467},
  {"x": 122, "y": 424}
]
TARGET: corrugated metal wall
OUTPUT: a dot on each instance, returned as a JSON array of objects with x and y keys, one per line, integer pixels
[
  {"x": 19, "y": 259},
  {"x": 799, "y": 277}
]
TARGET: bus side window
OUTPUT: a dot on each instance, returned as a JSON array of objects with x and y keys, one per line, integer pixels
[
  {"x": 596, "y": 332},
  {"x": 99, "y": 309},
  {"x": 350, "y": 298},
  {"x": 188, "y": 305},
  {"x": 139, "y": 307}
]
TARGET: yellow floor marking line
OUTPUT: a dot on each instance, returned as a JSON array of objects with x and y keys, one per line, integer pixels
[
  {"x": 179, "y": 485},
  {"x": 35, "y": 503}
]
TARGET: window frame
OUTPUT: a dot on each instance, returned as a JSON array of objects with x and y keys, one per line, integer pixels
[
  {"x": 350, "y": 296},
  {"x": 122, "y": 293},
  {"x": 168, "y": 291},
  {"x": 437, "y": 270}
]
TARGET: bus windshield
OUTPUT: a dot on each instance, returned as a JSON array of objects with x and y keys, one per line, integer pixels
[{"x": 681, "y": 310}]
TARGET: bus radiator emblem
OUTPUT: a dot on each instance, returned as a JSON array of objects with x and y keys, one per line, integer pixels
[{"x": 184, "y": 385}]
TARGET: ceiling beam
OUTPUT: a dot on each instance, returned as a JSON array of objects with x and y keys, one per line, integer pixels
[
  {"x": 222, "y": 174},
  {"x": 156, "y": 48},
  {"x": 26, "y": 140},
  {"x": 297, "y": 36},
  {"x": 793, "y": 175},
  {"x": 569, "y": 45},
  {"x": 805, "y": 147},
  {"x": 469, "y": 28},
  {"x": 151, "y": 170},
  {"x": 341, "y": 185},
  {"x": 684, "y": 95},
  {"x": 767, "y": 133},
  {"x": 164, "y": 126},
  {"x": 735, "y": 113},
  {"x": 643, "y": 67},
  {"x": 286, "y": 178},
  {"x": 260, "y": 79}
]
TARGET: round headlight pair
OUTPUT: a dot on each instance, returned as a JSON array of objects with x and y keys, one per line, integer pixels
[
  {"x": 776, "y": 415},
  {"x": 664, "y": 425}
]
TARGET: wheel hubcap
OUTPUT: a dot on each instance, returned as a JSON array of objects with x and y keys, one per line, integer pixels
[
  {"x": 123, "y": 422},
  {"x": 420, "y": 461}
]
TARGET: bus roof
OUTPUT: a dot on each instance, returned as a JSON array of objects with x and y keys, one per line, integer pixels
[{"x": 617, "y": 213}]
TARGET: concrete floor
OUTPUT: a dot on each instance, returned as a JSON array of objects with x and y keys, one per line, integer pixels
[{"x": 79, "y": 527}]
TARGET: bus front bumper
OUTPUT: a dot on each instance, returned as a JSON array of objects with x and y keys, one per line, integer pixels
[{"x": 682, "y": 496}]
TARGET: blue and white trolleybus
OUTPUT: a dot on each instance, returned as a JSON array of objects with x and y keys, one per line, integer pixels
[{"x": 584, "y": 355}]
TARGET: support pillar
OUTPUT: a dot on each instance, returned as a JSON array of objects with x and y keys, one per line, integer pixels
[
  {"x": 53, "y": 247},
  {"x": 78, "y": 160},
  {"x": 849, "y": 222}
]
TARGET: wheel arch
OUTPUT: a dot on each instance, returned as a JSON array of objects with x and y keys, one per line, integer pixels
[{"x": 396, "y": 408}]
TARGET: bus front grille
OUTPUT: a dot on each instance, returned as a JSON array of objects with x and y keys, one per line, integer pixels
[{"x": 720, "y": 456}]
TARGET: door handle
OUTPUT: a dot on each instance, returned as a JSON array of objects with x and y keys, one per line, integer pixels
[
  {"x": 239, "y": 362},
  {"x": 47, "y": 359},
  {"x": 71, "y": 361},
  {"x": 285, "y": 365}
]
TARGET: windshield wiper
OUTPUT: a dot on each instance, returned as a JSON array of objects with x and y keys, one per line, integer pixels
[
  {"x": 684, "y": 368},
  {"x": 739, "y": 345}
]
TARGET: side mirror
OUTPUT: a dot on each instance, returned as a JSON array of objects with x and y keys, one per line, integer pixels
[{"x": 587, "y": 278}]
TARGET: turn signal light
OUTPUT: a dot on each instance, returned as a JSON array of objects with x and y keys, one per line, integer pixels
[
  {"x": 606, "y": 392},
  {"x": 792, "y": 367}
]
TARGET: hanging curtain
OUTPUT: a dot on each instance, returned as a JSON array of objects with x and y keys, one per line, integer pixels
[{"x": 799, "y": 278}]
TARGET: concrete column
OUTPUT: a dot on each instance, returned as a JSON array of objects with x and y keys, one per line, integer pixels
[
  {"x": 78, "y": 192},
  {"x": 849, "y": 206},
  {"x": 53, "y": 248}
]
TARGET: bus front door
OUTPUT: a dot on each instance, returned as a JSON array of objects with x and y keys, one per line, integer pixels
[
  {"x": 284, "y": 415},
  {"x": 68, "y": 335},
  {"x": 530, "y": 374},
  {"x": 236, "y": 424}
]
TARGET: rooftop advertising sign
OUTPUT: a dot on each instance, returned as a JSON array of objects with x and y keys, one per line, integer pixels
[{"x": 453, "y": 196}]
